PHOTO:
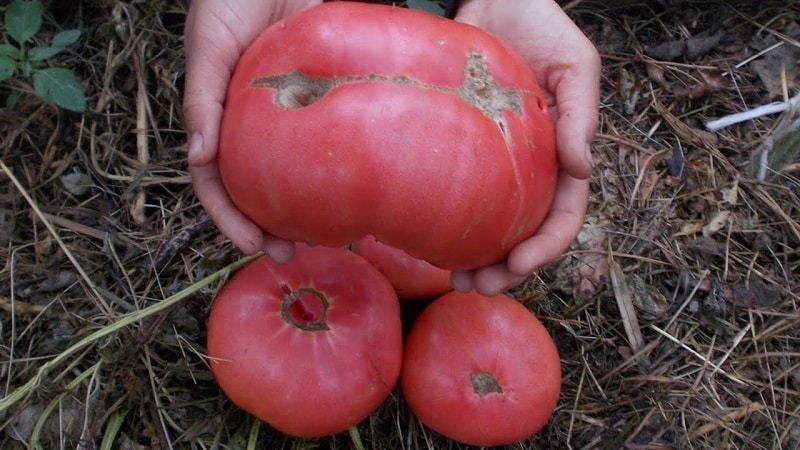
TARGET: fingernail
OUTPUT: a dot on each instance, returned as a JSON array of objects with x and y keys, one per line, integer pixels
[
  {"x": 195, "y": 147},
  {"x": 461, "y": 281},
  {"x": 588, "y": 155},
  {"x": 279, "y": 250}
]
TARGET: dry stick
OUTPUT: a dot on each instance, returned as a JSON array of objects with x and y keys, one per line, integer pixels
[
  {"x": 630, "y": 321},
  {"x": 91, "y": 232},
  {"x": 54, "y": 233},
  {"x": 649, "y": 162},
  {"x": 142, "y": 150},
  {"x": 697, "y": 355},
  {"x": 736, "y": 414},
  {"x": 24, "y": 390},
  {"x": 19, "y": 307},
  {"x": 755, "y": 113}
]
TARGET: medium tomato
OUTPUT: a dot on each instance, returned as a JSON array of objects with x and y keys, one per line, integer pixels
[
  {"x": 412, "y": 278},
  {"x": 348, "y": 119},
  {"x": 480, "y": 370},
  {"x": 312, "y": 346}
]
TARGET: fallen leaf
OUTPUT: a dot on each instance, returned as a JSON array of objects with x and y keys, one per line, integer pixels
[
  {"x": 755, "y": 294},
  {"x": 647, "y": 298},
  {"x": 629, "y": 90},
  {"x": 7, "y": 223},
  {"x": 731, "y": 195},
  {"x": 701, "y": 44},
  {"x": 21, "y": 427},
  {"x": 77, "y": 183},
  {"x": 656, "y": 73},
  {"x": 708, "y": 83},
  {"x": 690, "y": 228},
  {"x": 717, "y": 223},
  {"x": 590, "y": 275},
  {"x": 779, "y": 150},
  {"x": 676, "y": 167},
  {"x": 630, "y": 320},
  {"x": 666, "y": 51},
  {"x": 66, "y": 420},
  {"x": 692, "y": 48},
  {"x": 777, "y": 59}
]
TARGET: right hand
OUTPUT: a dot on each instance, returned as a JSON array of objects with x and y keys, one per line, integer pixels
[{"x": 216, "y": 34}]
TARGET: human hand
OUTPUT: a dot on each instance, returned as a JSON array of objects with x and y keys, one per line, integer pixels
[
  {"x": 216, "y": 34},
  {"x": 567, "y": 66}
]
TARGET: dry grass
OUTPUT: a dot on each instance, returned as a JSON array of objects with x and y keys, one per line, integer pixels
[{"x": 676, "y": 312}]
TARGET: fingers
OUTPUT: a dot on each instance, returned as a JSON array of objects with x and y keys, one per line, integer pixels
[
  {"x": 577, "y": 92},
  {"x": 244, "y": 234},
  {"x": 494, "y": 280},
  {"x": 212, "y": 50},
  {"x": 559, "y": 229},
  {"x": 564, "y": 60},
  {"x": 216, "y": 34}
]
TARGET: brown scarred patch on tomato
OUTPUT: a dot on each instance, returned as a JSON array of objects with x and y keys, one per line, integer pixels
[
  {"x": 479, "y": 88},
  {"x": 484, "y": 383},
  {"x": 306, "y": 309}
]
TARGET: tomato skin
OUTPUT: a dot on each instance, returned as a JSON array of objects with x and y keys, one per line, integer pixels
[
  {"x": 412, "y": 278},
  {"x": 304, "y": 382},
  {"x": 461, "y": 336},
  {"x": 391, "y": 148}
]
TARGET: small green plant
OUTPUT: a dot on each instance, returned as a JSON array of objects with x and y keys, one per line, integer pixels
[{"x": 57, "y": 85}]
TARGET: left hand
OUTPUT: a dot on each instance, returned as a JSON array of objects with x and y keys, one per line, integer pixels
[{"x": 567, "y": 66}]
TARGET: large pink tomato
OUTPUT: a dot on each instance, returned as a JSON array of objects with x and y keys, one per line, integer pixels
[
  {"x": 480, "y": 370},
  {"x": 312, "y": 346},
  {"x": 349, "y": 119}
]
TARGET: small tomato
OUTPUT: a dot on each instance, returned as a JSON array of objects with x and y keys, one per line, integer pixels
[
  {"x": 412, "y": 278},
  {"x": 312, "y": 346},
  {"x": 480, "y": 370}
]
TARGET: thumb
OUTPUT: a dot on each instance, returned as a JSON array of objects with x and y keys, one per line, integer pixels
[
  {"x": 577, "y": 93},
  {"x": 212, "y": 50}
]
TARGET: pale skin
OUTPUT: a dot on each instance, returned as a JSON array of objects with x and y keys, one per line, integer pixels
[{"x": 564, "y": 60}]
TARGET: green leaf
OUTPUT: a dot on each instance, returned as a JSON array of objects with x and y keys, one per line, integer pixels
[
  {"x": 7, "y": 67},
  {"x": 27, "y": 68},
  {"x": 9, "y": 51},
  {"x": 23, "y": 19},
  {"x": 60, "y": 87},
  {"x": 12, "y": 99},
  {"x": 65, "y": 38},
  {"x": 426, "y": 5},
  {"x": 43, "y": 53}
]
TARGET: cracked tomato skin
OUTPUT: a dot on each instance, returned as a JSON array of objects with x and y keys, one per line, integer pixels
[
  {"x": 307, "y": 369},
  {"x": 349, "y": 119},
  {"x": 412, "y": 278},
  {"x": 458, "y": 343}
]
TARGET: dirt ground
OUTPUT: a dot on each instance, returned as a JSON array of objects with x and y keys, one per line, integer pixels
[{"x": 675, "y": 312}]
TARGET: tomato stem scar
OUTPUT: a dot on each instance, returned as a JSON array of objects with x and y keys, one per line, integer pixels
[
  {"x": 306, "y": 309},
  {"x": 484, "y": 383}
]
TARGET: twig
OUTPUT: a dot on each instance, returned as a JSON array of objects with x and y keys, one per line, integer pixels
[
  {"x": 50, "y": 228},
  {"x": 626, "y": 309},
  {"x": 736, "y": 414},
  {"x": 19, "y": 307},
  {"x": 91, "y": 232},
  {"x": 714, "y": 366},
  {"x": 755, "y": 113},
  {"x": 142, "y": 148}
]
